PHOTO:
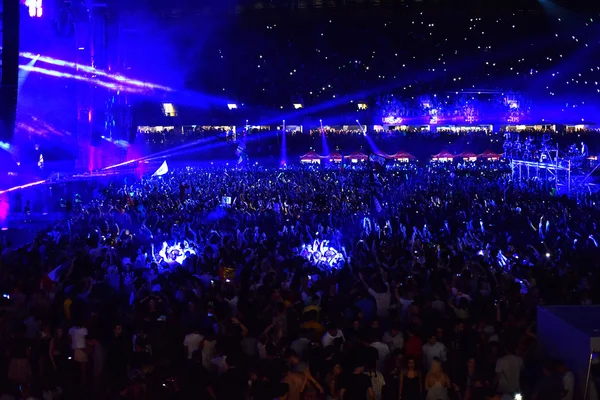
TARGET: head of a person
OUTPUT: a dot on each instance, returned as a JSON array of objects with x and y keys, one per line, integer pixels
[
  {"x": 332, "y": 329},
  {"x": 436, "y": 366},
  {"x": 291, "y": 357},
  {"x": 118, "y": 330},
  {"x": 432, "y": 339},
  {"x": 336, "y": 370},
  {"x": 411, "y": 364},
  {"x": 471, "y": 363},
  {"x": 375, "y": 324}
]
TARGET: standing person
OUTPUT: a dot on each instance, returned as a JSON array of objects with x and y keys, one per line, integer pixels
[
  {"x": 508, "y": 372},
  {"x": 117, "y": 355},
  {"x": 411, "y": 382},
  {"x": 78, "y": 334},
  {"x": 432, "y": 350},
  {"x": 192, "y": 342},
  {"x": 382, "y": 299},
  {"x": 357, "y": 385},
  {"x": 59, "y": 353},
  {"x": 333, "y": 381},
  {"x": 437, "y": 382},
  {"x": 568, "y": 380},
  {"x": 19, "y": 367},
  {"x": 377, "y": 379}
]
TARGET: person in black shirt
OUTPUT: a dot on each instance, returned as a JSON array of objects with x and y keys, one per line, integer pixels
[
  {"x": 233, "y": 384},
  {"x": 357, "y": 385},
  {"x": 197, "y": 380},
  {"x": 117, "y": 357}
]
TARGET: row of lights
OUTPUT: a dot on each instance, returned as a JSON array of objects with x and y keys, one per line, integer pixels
[{"x": 297, "y": 106}]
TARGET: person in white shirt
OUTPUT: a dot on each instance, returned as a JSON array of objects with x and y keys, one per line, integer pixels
[
  {"x": 78, "y": 335},
  {"x": 192, "y": 342},
  {"x": 433, "y": 349},
  {"x": 383, "y": 353},
  {"x": 568, "y": 380},
  {"x": 508, "y": 372},
  {"x": 331, "y": 335},
  {"x": 394, "y": 338},
  {"x": 382, "y": 300}
]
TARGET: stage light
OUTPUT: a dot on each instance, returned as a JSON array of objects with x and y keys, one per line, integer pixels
[
  {"x": 35, "y": 8},
  {"x": 232, "y": 106},
  {"x": 169, "y": 110},
  {"x": 362, "y": 106},
  {"x": 297, "y": 106}
]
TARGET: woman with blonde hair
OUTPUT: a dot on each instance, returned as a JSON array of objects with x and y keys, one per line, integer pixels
[{"x": 437, "y": 382}]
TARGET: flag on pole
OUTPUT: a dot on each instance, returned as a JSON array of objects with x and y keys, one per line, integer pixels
[
  {"x": 54, "y": 276},
  {"x": 163, "y": 169}
]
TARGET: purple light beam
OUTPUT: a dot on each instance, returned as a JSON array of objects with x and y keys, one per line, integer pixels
[
  {"x": 92, "y": 70},
  {"x": 57, "y": 74}
]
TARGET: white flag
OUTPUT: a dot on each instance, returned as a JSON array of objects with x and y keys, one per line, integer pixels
[{"x": 164, "y": 168}]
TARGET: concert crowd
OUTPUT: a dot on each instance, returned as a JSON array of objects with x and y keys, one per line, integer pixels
[{"x": 309, "y": 282}]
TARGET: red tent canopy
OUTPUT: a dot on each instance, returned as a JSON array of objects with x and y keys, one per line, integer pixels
[
  {"x": 467, "y": 154},
  {"x": 357, "y": 155},
  {"x": 311, "y": 155},
  {"x": 402, "y": 154},
  {"x": 490, "y": 155},
  {"x": 444, "y": 154},
  {"x": 335, "y": 156}
]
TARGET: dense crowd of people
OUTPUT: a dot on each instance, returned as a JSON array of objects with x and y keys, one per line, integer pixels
[{"x": 298, "y": 283}]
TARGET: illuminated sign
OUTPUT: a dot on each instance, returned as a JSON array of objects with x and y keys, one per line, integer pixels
[
  {"x": 513, "y": 119},
  {"x": 392, "y": 120}
]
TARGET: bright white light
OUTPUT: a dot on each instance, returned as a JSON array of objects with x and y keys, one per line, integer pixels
[
  {"x": 518, "y": 396},
  {"x": 547, "y": 255},
  {"x": 169, "y": 110},
  {"x": 297, "y": 106},
  {"x": 35, "y": 8},
  {"x": 232, "y": 106}
]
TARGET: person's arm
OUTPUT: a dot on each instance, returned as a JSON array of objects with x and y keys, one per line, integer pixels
[
  {"x": 331, "y": 386},
  {"x": 342, "y": 393},
  {"x": 370, "y": 394},
  {"x": 242, "y": 327},
  {"x": 51, "y": 353},
  {"x": 361, "y": 277},
  {"x": 427, "y": 387},
  {"x": 309, "y": 378},
  {"x": 468, "y": 394}
]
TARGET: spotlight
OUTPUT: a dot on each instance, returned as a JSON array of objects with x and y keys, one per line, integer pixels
[
  {"x": 232, "y": 106},
  {"x": 518, "y": 396},
  {"x": 169, "y": 110},
  {"x": 547, "y": 255},
  {"x": 297, "y": 106},
  {"x": 362, "y": 106}
]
